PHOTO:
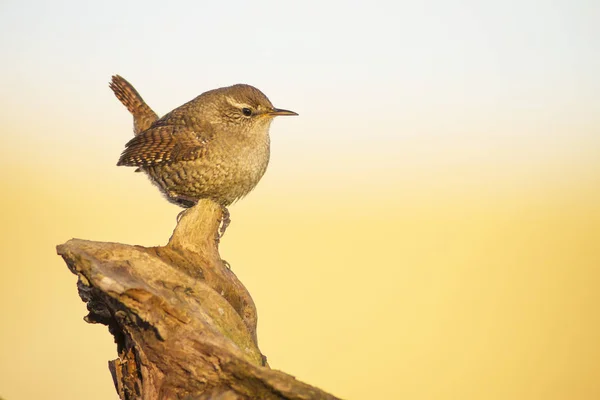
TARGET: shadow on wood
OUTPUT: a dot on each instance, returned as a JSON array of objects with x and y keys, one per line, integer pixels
[{"x": 184, "y": 325}]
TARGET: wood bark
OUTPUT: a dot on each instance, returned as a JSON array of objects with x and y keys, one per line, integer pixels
[{"x": 184, "y": 325}]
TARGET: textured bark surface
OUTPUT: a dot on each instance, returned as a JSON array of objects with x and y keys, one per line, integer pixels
[{"x": 184, "y": 325}]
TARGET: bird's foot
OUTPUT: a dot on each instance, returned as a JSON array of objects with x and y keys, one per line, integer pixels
[
  {"x": 226, "y": 264},
  {"x": 225, "y": 221},
  {"x": 180, "y": 215}
]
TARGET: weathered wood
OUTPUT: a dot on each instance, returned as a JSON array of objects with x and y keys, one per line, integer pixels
[{"x": 184, "y": 325}]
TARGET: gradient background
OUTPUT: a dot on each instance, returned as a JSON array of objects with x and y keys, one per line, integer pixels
[{"x": 428, "y": 228}]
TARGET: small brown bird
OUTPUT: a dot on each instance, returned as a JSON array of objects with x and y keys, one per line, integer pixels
[{"x": 215, "y": 146}]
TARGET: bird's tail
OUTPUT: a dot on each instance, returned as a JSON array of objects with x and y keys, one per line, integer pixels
[{"x": 143, "y": 115}]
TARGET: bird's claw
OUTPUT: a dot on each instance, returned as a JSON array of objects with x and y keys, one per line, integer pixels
[{"x": 225, "y": 221}]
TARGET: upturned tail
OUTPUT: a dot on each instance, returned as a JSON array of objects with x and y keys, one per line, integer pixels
[{"x": 143, "y": 116}]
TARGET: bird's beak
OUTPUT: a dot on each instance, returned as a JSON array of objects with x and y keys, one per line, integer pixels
[{"x": 278, "y": 111}]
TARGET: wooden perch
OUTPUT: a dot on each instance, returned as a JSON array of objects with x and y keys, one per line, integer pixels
[{"x": 184, "y": 325}]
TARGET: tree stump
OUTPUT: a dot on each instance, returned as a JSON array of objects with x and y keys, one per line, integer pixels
[{"x": 184, "y": 325}]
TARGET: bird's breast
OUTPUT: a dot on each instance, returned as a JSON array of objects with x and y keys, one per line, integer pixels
[{"x": 225, "y": 173}]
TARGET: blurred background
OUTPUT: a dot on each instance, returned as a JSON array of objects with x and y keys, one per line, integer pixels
[{"x": 428, "y": 228}]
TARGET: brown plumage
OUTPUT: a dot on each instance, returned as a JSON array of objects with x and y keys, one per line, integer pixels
[
  {"x": 143, "y": 115},
  {"x": 165, "y": 144},
  {"x": 215, "y": 146}
]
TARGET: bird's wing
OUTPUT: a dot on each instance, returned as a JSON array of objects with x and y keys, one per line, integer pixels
[{"x": 164, "y": 145}]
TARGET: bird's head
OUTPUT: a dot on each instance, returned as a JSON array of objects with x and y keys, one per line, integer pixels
[{"x": 243, "y": 108}]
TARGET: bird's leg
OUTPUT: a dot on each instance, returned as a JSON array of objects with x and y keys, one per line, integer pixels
[
  {"x": 181, "y": 201},
  {"x": 225, "y": 221}
]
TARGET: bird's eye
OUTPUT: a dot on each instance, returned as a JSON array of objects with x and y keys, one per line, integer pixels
[{"x": 247, "y": 112}]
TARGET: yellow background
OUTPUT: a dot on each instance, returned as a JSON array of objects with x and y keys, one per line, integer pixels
[{"x": 428, "y": 228}]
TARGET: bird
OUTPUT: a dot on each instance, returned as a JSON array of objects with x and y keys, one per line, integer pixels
[{"x": 215, "y": 146}]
